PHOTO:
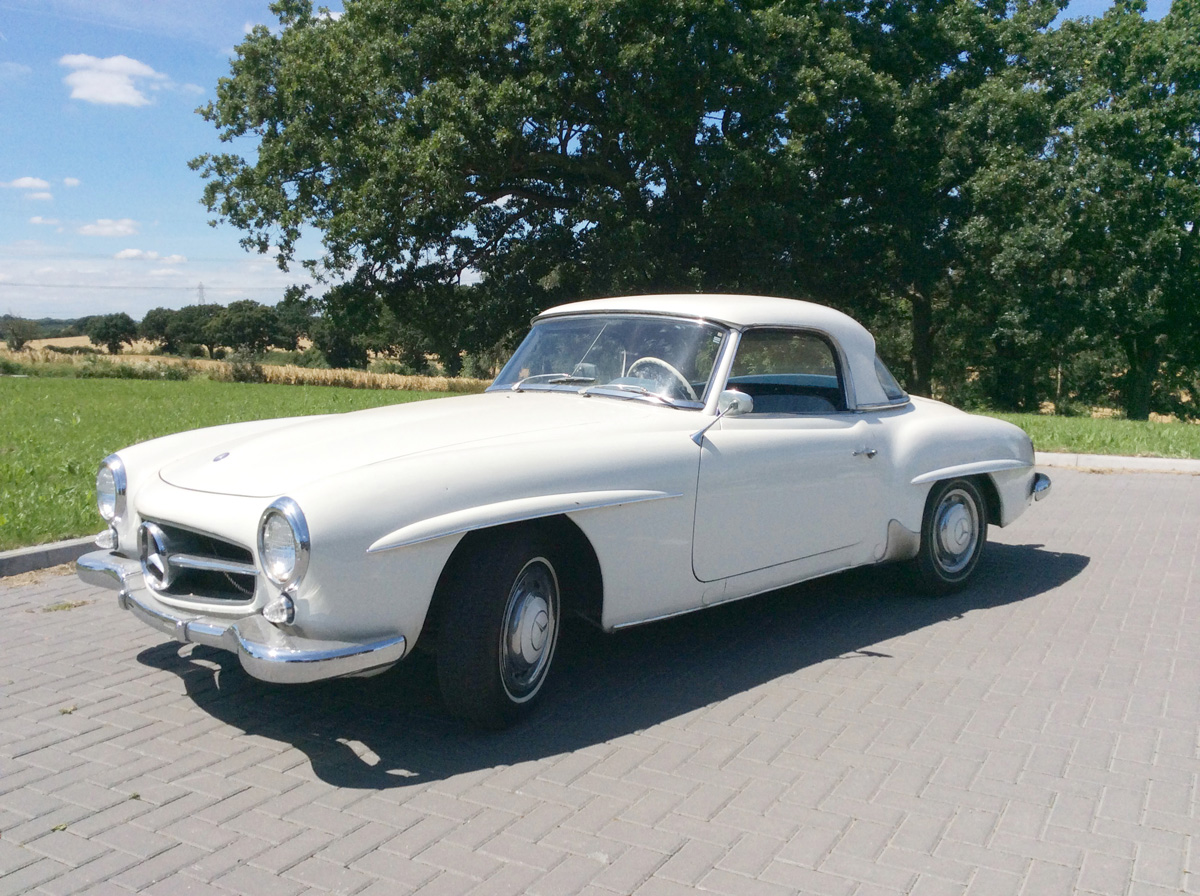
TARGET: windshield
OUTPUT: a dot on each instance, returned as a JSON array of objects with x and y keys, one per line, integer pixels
[{"x": 667, "y": 359}]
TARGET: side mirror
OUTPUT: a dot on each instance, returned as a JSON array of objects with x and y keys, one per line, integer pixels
[
  {"x": 733, "y": 403},
  {"x": 730, "y": 403}
]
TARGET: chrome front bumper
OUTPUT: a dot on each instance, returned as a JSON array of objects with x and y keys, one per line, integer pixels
[
  {"x": 265, "y": 652},
  {"x": 1040, "y": 487}
]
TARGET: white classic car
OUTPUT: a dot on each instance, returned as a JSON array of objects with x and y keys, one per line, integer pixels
[{"x": 635, "y": 459}]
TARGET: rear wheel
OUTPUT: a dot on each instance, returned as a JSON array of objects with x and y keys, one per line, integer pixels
[
  {"x": 953, "y": 536},
  {"x": 498, "y": 628}
]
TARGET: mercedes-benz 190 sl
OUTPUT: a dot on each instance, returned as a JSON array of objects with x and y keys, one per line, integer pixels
[{"x": 636, "y": 458}]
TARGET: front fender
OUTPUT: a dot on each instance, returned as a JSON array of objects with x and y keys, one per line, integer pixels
[{"x": 939, "y": 442}]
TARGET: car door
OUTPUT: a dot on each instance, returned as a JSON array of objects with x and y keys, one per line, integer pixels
[{"x": 794, "y": 479}]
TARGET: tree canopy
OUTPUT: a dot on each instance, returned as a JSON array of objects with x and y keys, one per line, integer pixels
[
  {"x": 1085, "y": 238},
  {"x": 903, "y": 161},
  {"x": 112, "y": 331}
]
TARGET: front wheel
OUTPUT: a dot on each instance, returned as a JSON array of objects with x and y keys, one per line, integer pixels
[
  {"x": 498, "y": 628},
  {"x": 953, "y": 535}
]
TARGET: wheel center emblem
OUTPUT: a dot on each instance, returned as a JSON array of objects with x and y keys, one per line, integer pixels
[
  {"x": 537, "y": 634},
  {"x": 533, "y": 631},
  {"x": 961, "y": 532}
]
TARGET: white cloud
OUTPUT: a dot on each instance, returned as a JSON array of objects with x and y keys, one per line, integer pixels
[
  {"x": 27, "y": 183},
  {"x": 110, "y": 227},
  {"x": 40, "y": 197},
  {"x": 114, "y": 81},
  {"x": 71, "y": 181},
  {"x": 40, "y": 279},
  {"x": 149, "y": 255},
  {"x": 12, "y": 71},
  {"x": 45, "y": 222}
]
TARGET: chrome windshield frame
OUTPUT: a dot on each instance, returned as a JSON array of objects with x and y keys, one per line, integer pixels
[{"x": 528, "y": 384}]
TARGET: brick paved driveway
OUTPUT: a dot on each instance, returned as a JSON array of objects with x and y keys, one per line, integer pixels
[{"x": 1038, "y": 734}]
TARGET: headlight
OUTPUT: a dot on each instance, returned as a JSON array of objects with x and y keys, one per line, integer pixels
[
  {"x": 110, "y": 488},
  {"x": 283, "y": 544}
]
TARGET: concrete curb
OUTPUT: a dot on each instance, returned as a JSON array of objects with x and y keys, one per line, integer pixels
[
  {"x": 1109, "y": 463},
  {"x": 46, "y": 555},
  {"x": 43, "y": 556}
]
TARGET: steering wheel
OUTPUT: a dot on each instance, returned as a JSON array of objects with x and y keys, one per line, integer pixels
[{"x": 650, "y": 361}]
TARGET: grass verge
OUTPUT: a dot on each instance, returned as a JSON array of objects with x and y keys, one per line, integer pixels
[
  {"x": 1085, "y": 435},
  {"x": 54, "y": 433}
]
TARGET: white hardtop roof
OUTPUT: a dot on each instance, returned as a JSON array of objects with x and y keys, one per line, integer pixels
[
  {"x": 858, "y": 345},
  {"x": 734, "y": 310}
]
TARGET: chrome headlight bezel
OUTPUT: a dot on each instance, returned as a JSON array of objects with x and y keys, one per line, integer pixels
[
  {"x": 111, "y": 486},
  {"x": 287, "y": 512}
]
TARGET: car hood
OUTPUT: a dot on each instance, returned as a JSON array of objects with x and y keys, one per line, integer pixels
[{"x": 302, "y": 450}]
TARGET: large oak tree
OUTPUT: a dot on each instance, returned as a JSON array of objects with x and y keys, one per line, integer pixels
[
  {"x": 845, "y": 150},
  {"x": 1088, "y": 204}
]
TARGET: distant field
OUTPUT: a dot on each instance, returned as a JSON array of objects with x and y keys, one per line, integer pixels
[
  {"x": 54, "y": 433},
  {"x": 61, "y": 342}
]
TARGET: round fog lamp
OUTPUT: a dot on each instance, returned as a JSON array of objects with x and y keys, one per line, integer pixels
[{"x": 281, "y": 611}]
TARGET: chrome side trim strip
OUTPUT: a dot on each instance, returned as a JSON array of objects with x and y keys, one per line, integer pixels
[
  {"x": 972, "y": 469},
  {"x": 505, "y": 512}
]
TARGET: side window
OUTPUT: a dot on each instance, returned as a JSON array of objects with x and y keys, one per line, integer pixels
[
  {"x": 888, "y": 383},
  {"x": 788, "y": 372}
]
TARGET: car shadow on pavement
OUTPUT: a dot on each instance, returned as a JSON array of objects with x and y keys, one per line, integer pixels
[{"x": 391, "y": 731}]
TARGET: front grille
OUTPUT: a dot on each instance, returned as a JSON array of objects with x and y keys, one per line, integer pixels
[{"x": 183, "y": 563}]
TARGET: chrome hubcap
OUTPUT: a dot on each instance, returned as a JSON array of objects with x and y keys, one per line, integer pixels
[
  {"x": 956, "y": 529},
  {"x": 530, "y": 630}
]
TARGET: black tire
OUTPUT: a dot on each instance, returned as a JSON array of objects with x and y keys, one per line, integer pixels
[
  {"x": 500, "y": 616},
  {"x": 953, "y": 536}
]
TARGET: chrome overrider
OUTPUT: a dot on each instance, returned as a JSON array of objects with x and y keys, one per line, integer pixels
[{"x": 265, "y": 652}]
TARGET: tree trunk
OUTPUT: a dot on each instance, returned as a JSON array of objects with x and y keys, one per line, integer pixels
[
  {"x": 922, "y": 344},
  {"x": 1141, "y": 352}
]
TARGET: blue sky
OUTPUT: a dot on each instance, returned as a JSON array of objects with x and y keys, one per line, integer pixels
[{"x": 98, "y": 210}]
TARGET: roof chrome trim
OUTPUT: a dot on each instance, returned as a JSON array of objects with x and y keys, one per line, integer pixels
[{"x": 549, "y": 314}]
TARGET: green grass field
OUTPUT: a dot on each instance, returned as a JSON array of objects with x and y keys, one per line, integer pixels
[
  {"x": 1083, "y": 435},
  {"x": 55, "y": 432}
]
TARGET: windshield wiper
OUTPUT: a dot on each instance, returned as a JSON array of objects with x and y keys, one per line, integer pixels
[
  {"x": 632, "y": 390},
  {"x": 553, "y": 379}
]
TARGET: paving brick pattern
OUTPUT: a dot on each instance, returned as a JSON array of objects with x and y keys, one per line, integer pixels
[{"x": 1039, "y": 734}]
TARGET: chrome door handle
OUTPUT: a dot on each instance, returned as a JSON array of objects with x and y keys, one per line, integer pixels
[{"x": 869, "y": 452}]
